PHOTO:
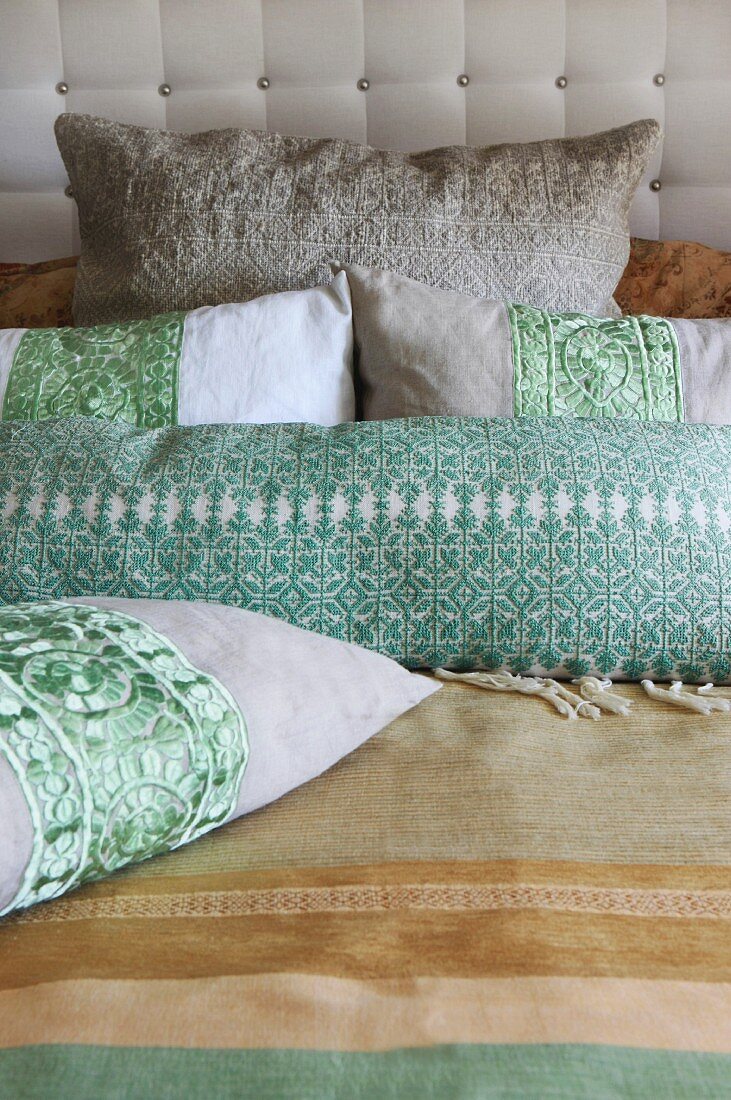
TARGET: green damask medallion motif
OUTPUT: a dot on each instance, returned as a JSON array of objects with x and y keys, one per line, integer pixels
[
  {"x": 122, "y": 748},
  {"x": 114, "y": 372},
  {"x": 570, "y": 363}
]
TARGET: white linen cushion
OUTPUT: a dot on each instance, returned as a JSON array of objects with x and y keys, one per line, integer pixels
[
  {"x": 279, "y": 358},
  {"x": 300, "y": 701}
]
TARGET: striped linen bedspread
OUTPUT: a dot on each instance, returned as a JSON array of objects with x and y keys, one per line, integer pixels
[{"x": 483, "y": 901}]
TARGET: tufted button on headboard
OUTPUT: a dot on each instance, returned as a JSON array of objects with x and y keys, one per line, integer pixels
[{"x": 404, "y": 74}]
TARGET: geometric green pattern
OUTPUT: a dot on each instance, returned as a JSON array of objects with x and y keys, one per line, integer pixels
[
  {"x": 122, "y": 748},
  {"x": 116, "y": 372},
  {"x": 563, "y": 545},
  {"x": 571, "y": 363}
]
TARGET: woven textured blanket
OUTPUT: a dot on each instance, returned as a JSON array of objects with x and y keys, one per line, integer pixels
[{"x": 482, "y": 901}]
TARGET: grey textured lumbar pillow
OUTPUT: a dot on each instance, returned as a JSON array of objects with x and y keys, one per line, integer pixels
[
  {"x": 428, "y": 352},
  {"x": 175, "y": 221}
]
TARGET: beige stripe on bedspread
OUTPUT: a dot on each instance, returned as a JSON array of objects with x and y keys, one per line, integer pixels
[
  {"x": 316, "y": 1012},
  {"x": 470, "y": 775}
]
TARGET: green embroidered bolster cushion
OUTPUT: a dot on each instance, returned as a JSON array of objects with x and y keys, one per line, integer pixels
[
  {"x": 555, "y": 545},
  {"x": 129, "y": 727},
  {"x": 283, "y": 357},
  {"x": 428, "y": 352}
]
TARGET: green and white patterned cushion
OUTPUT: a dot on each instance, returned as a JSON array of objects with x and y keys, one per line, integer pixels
[
  {"x": 284, "y": 357},
  {"x": 129, "y": 727},
  {"x": 428, "y": 352},
  {"x": 544, "y": 544}
]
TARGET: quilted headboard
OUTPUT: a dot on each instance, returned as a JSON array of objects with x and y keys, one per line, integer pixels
[{"x": 405, "y": 74}]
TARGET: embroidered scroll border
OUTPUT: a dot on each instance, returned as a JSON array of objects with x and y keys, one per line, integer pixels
[
  {"x": 571, "y": 363},
  {"x": 121, "y": 747},
  {"x": 115, "y": 372}
]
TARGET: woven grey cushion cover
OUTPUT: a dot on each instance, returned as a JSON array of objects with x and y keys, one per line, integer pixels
[{"x": 174, "y": 221}]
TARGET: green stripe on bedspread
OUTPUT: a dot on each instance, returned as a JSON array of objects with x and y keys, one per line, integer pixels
[{"x": 433, "y": 1073}]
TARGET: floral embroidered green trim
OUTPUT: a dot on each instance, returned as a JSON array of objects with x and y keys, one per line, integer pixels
[
  {"x": 114, "y": 372},
  {"x": 122, "y": 748},
  {"x": 567, "y": 363},
  {"x": 551, "y": 545}
]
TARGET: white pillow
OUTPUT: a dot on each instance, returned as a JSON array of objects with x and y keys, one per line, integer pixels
[
  {"x": 281, "y": 358},
  {"x": 129, "y": 727}
]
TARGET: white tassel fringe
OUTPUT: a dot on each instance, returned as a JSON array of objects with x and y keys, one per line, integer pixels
[
  {"x": 597, "y": 692},
  {"x": 594, "y": 694},
  {"x": 566, "y": 702},
  {"x": 702, "y": 702}
]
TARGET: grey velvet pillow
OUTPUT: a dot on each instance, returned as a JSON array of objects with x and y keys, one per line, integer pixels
[
  {"x": 175, "y": 221},
  {"x": 428, "y": 352}
]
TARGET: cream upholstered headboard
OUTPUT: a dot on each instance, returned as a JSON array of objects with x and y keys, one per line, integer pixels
[{"x": 405, "y": 74}]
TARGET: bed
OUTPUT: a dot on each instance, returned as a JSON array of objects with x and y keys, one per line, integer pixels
[
  {"x": 480, "y": 901},
  {"x": 486, "y": 898}
]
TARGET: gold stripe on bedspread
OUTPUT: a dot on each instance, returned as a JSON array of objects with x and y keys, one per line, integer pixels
[{"x": 438, "y": 919}]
